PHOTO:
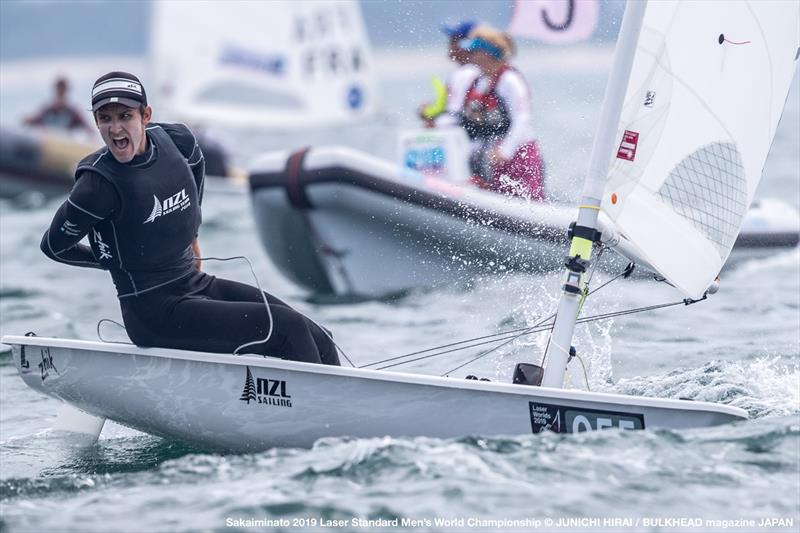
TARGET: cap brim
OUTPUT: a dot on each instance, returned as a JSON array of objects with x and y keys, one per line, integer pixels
[
  {"x": 116, "y": 100},
  {"x": 459, "y": 30},
  {"x": 454, "y": 32}
]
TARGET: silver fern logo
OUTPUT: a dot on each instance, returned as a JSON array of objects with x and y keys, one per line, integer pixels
[
  {"x": 157, "y": 209},
  {"x": 249, "y": 392},
  {"x": 177, "y": 202}
]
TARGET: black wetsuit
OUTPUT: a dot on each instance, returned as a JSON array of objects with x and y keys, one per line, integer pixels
[{"x": 141, "y": 218}]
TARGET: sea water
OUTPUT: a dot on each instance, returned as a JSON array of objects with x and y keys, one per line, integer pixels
[{"x": 740, "y": 347}]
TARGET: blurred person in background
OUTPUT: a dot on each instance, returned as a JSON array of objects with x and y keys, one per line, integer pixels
[
  {"x": 138, "y": 200},
  {"x": 59, "y": 114},
  {"x": 459, "y": 79},
  {"x": 495, "y": 111}
]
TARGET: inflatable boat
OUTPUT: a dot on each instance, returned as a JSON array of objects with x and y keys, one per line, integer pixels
[
  {"x": 340, "y": 222},
  {"x": 43, "y": 161}
]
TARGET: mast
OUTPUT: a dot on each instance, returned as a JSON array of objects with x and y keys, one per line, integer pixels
[{"x": 583, "y": 235}]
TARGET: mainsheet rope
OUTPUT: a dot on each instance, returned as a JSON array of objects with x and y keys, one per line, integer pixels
[
  {"x": 510, "y": 335},
  {"x": 496, "y": 337}
]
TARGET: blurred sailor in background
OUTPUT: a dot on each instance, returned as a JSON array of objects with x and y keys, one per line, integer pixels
[
  {"x": 459, "y": 79},
  {"x": 494, "y": 108},
  {"x": 59, "y": 114}
]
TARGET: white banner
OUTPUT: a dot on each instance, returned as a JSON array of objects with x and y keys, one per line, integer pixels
[{"x": 554, "y": 21}]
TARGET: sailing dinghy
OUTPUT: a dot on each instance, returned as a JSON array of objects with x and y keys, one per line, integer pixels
[
  {"x": 251, "y": 403},
  {"x": 275, "y": 66}
]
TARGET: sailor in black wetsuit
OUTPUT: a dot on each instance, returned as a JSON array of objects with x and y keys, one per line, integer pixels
[{"x": 138, "y": 200}]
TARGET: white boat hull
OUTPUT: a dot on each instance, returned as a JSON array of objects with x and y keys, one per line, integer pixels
[
  {"x": 249, "y": 403},
  {"x": 339, "y": 222}
]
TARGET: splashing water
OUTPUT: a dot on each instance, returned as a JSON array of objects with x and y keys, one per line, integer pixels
[{"x": 764, "y": 387}]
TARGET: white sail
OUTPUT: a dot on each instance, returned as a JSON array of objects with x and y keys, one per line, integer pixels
[
  {"x": 273, "y": 64},
  {"x": 704, "y": 98}
]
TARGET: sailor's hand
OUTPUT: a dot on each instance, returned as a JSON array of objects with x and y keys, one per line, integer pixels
[{"x": 427, "y": 121}]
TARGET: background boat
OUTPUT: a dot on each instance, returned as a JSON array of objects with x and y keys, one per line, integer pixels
[{"x": 40, "y": 163}]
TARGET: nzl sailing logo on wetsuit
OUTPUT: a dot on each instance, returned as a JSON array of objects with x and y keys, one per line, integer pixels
[
  {"x": 265, "y": 391},
  {"x": 177, "y": 202}
]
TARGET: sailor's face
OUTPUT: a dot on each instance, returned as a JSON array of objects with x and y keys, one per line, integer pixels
[
  {"x": 123, "y": 130},
  {"x": 484, "y": 61},
  {"x": 456, "y": 53}
]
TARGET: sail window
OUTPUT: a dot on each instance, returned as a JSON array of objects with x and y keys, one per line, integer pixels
[{"x": 709, "y": 189}]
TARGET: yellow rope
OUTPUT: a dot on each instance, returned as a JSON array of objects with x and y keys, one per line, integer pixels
[
  {"x": 584, "y": 294},
  {"x": 597, "y": 207},
  {"x": 585, "y": 374}
]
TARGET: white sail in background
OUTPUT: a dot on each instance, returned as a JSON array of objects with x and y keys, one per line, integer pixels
[
  {"x": 272, "y": 64},
  {"x": 707, "y": 90}
]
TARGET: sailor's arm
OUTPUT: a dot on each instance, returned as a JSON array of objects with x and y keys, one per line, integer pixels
[
  {"x": 61, "y": 242},
  {"x": 514, "y": 92},
  {"x": 197, "y": 255},
  {"x": 90, "y": 201},
  {"x": 197, "y": 162},
  {"x": 458, "y": 85},
  {"x": 79, "y": 122},
  {"x": 187, "y": 143}
]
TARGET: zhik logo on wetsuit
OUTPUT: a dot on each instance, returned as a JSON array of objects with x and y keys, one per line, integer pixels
[
  {"x": 265, "y": 391},
  {"x": 102, "y": 247},
  {"x": 177, "y": 202}
]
